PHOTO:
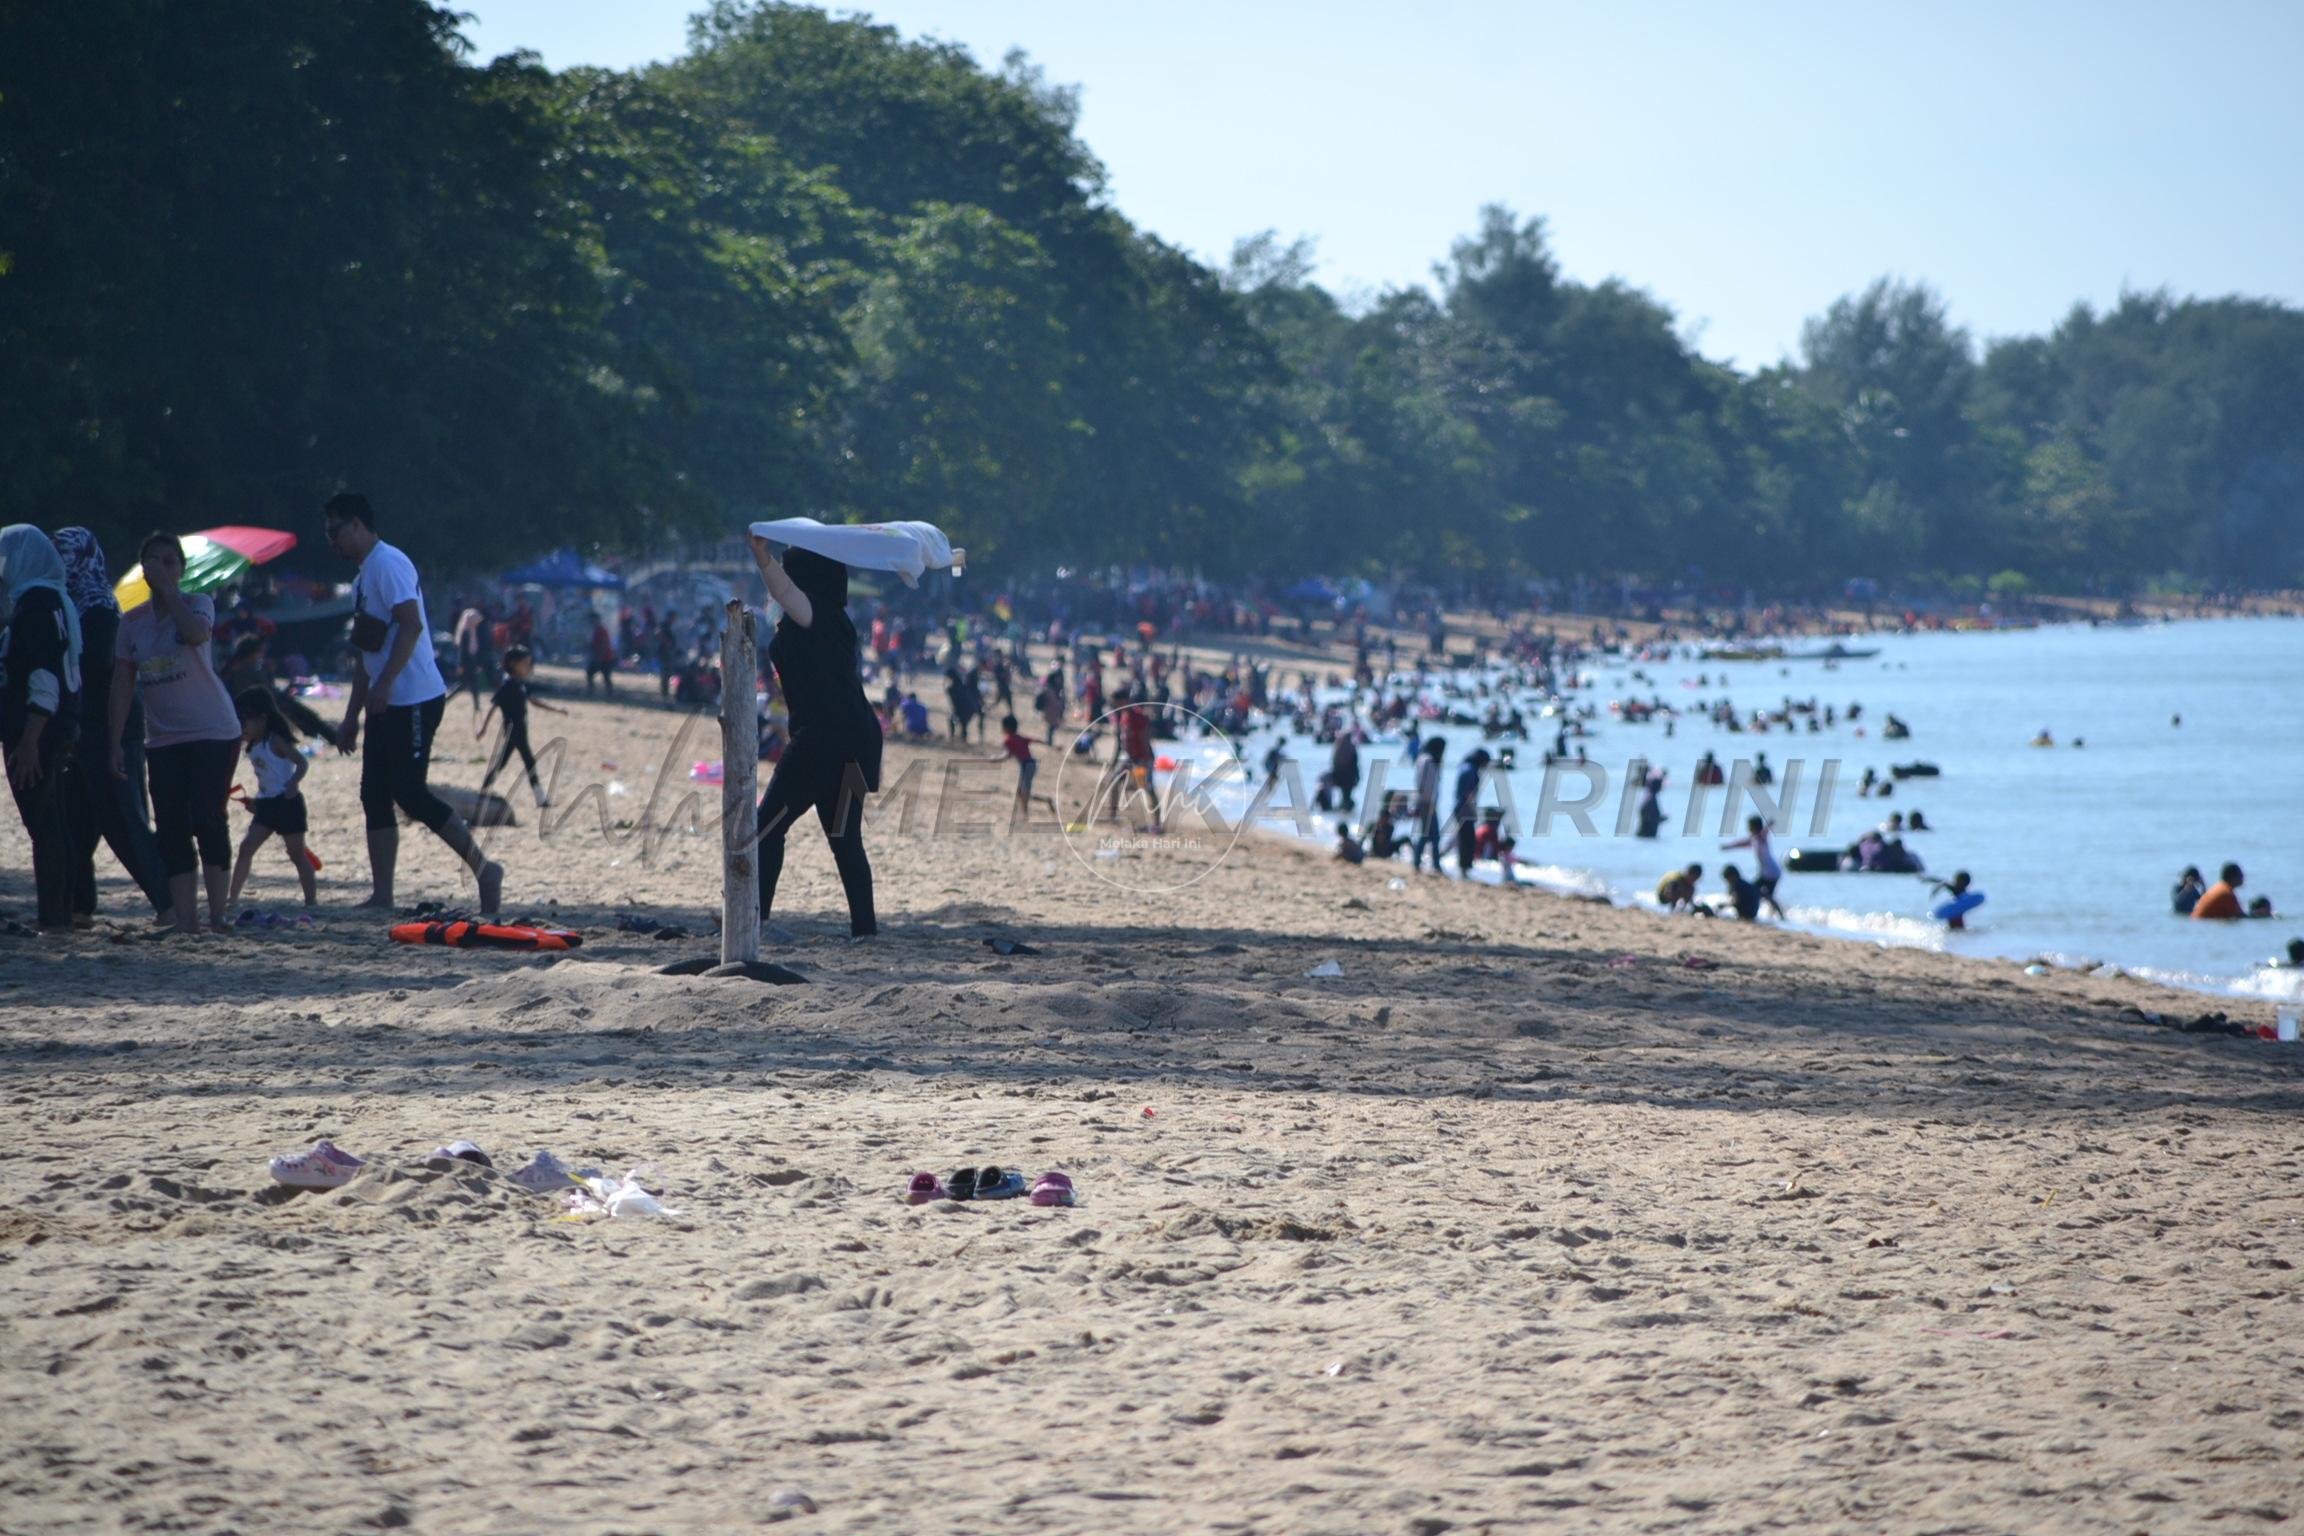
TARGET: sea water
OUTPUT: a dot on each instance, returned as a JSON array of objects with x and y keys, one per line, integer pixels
[{"x": 2075, "y": 846}]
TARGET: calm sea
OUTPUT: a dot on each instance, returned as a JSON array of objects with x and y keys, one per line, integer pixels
[{"x": 2075, "y": 846}]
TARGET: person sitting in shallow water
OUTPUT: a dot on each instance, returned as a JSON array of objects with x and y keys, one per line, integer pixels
[
  {"x": 1743, "y": 895},
  {"x": 1676, "y": 892},
  {"x": 2221, "y": 901},
  {"x": 2189, "y": 887},
  {"x": 1384, "y": 840}
]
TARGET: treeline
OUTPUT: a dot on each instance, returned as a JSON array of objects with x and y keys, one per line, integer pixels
[{"x": 252, "y": 252}]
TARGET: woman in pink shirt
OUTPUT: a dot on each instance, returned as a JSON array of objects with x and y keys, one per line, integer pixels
[{"x": 191, "y": 731}]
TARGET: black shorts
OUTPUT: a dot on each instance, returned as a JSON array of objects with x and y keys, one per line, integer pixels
[{"x": 284, "y": 814}]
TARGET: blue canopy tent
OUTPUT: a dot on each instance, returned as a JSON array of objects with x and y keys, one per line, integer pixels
[
  {"x": 562, "y": 568},
  {"x": 1313, "y": 589}
]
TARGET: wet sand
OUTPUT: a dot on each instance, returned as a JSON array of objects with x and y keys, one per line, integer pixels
[{"x": 1522, "y": 1223}]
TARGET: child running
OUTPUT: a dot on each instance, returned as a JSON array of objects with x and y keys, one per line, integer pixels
[
  {"x": 1014, "y": 744},
  {"x": 279, "y": 767},
  {"x": 513, "y": 696}
]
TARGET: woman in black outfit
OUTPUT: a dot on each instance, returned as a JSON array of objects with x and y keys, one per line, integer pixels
[
  {"x": 40, "y": 720},
  {"x": 111, "y": 810},
  {"x": 834, "y": 756}
]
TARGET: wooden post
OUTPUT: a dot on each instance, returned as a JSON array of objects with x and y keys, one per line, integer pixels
[{"x": 739, "y": 806}]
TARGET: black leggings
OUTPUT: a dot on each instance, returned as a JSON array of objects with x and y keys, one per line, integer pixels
[
  {"x": 190, "y": 783},
  {"x": 62, "y": 875},
  {"x": 515, "y": 739},
  {"x": 109, "y": 814},
  {"x": 837, "y": 792},
  {"x": 395, "y": 764}
]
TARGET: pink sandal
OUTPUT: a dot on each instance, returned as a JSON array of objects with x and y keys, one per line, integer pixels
[
  {"x": 326, "y": 1166},
  {"x": 924, "y": 1189},
  {"x": 1052, "y": 1189}
]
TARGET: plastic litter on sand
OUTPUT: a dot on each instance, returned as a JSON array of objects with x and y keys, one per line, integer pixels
[
  {"x": 615, "y": 1199},
  {"x": 1325, "y": 969}
]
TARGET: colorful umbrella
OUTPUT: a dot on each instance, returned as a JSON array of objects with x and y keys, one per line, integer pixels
[{"x": 212, "y": 558}]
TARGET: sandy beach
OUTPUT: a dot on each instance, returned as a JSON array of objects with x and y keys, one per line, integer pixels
[{"x": 1542, "y": 1216}]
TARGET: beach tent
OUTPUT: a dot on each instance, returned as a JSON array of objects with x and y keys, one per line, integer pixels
[
  {"x": 562, "y": 568},
  {"x": 1313, "y": 589},
  {"x": 213, "y": 557}
]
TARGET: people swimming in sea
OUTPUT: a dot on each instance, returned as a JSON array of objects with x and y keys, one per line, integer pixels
[
  {"x": 2044, "y": 739},
  {"x": 1651, "y": 806},
  {"x": 1962, "y": 898},
  {"x": 2295, "y": 959},
  {"x": 1917, "y": 822},
  {"x": 2261, "y": 907},
  {"x": 2190, "y": 886},
  {"x": 2221, "y": 901}
]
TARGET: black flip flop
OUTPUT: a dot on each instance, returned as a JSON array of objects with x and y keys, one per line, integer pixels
[
  {"x": 999, "y": 1184},
  {"x": 962, "y": 1184}
]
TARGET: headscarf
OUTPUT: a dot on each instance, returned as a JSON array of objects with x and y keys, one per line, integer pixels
[
  {"x": 86, "y": 576},
  {"x": 823, "y": 578},
  {"x": 28, "y": 560}
]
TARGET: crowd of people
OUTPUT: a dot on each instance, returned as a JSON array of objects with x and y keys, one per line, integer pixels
[
  {"x": 125, "y": 729},
  {"x": 119, "y": 728}
]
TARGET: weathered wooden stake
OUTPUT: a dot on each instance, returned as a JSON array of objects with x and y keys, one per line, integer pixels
[{"x": 739, "y": 807}]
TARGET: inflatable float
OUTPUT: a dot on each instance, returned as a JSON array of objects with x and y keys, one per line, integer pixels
[
  {"x": 1916, "y": 771},
  {"x": 905, "y": 550},
  {"x": 1958, "y": 907},
  {"x": 483, "y": 933}
]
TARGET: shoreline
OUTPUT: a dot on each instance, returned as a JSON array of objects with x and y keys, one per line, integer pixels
[{"x": 1570, "y": 883}]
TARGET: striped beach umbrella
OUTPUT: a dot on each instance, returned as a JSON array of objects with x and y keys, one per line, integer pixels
[{"x": 213, "y": 557}]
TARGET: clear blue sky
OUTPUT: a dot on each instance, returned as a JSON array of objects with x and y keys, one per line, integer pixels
[{"x": 1746, "y": 164}]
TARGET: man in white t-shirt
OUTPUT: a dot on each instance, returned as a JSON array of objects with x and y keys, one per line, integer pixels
[{"x": 398, "y": 697}]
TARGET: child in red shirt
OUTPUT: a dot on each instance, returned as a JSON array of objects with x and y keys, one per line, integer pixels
[{"x": 1015, "y": 745}]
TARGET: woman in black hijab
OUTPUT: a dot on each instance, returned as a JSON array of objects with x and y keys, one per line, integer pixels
[{"x": 834, "y": 756}]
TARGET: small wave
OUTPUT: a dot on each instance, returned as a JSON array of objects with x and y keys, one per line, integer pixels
[
  {"x": 1565, "y": 881},
  {"x": 2280, "y": 983},
  {"x": 1879, "y": 927}
]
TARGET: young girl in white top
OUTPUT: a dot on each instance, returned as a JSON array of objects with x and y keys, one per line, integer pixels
[
  {"x": 1756, "y": 838},
  {"x": 278, "y": 805}
]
